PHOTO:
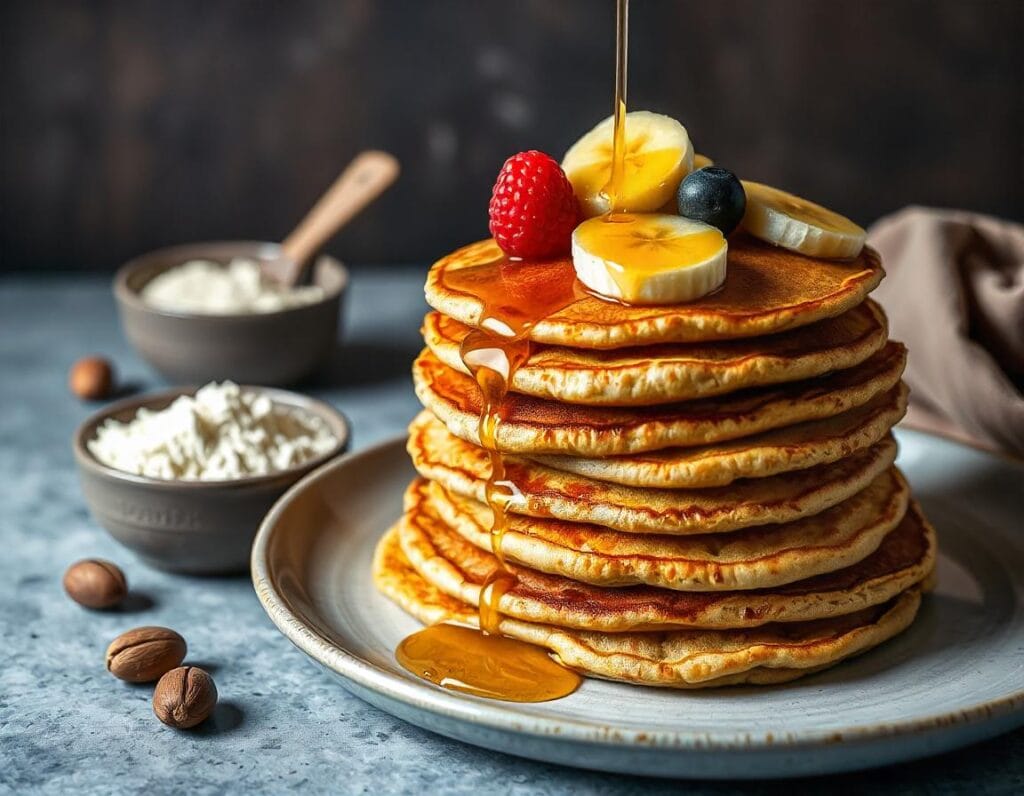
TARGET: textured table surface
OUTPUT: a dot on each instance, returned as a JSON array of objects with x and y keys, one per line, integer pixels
[{"x": 66, "y": 725}]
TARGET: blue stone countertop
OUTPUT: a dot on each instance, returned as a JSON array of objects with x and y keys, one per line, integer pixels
[{"x": 68, "y": 726}]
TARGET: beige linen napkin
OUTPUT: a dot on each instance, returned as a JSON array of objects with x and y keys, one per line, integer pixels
[{"x": 954, "y": 293}]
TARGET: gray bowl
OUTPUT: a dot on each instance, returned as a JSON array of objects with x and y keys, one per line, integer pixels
[
  {"x": 259, "y": 348},
  {"x": 196, "y": 527}
]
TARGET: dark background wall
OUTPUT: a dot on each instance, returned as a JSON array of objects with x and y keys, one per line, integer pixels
[{"x": 131, "y": 124}]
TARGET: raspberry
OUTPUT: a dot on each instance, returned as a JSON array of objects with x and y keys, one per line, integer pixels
[{"x": 533, "y": 209}]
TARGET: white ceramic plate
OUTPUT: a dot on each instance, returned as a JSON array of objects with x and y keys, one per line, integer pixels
[{"x": 956, "y": 677}]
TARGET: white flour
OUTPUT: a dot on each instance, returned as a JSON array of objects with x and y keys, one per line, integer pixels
[
  {"x": 220, "y": 434},
  {"x": 208, "y": 288}
]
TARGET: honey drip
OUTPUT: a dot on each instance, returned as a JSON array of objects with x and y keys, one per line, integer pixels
[
  {"x": 493, "y": 360},
  {"x": 515, "y": 296}
]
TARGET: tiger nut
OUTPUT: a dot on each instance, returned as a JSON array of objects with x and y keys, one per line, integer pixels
[
  {"x": 184, "y": 697},
  {"x": 95, "y": 583},
  {"x": 91, "y": 378},
  {"x": 144, "y": 654}
]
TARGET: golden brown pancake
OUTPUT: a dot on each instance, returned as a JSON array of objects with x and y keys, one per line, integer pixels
[
  {"x": 784, "y": 449},
  {"x": 458, "y": 568},
  {"x": 766, "y": 290},
  {"x": 754, "y": 558},
  {"x": 679, "y": 659},
  {"x": 463, "y": 469},
  {"x": 532, "y": 425},
  {"x": 658, "y": 374}
]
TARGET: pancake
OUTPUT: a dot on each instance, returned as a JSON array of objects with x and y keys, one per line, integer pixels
[
  {"x": 456, "y": 567},
  {"x": 679, "y": 659},
  {"x": 532, "y": 425},
  {"x": 463, "y": 469},
  {"x": 657, "y": 374},
  {"x": 782, "y": 450},
  {"x": 761, "y": 557},
  {"x": 767, "y": 289}
]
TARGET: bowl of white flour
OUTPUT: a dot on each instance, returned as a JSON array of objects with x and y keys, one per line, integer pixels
[
  {"x": 184, "y": 477},
  {"x": 204, "y": 311}
]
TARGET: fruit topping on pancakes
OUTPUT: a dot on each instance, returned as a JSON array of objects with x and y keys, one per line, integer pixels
[
  {"x": 713, "y": 195},
  {"x": 655, "y": 229},
  {"x": 658, "y": 155},
  {"x": 533, "y": 209},
  {"x": 799, "y": 225},
  {"x": 649, "y": 259}
]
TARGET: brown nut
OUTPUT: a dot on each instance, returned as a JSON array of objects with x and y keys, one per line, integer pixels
[
  {"x": 95, "y": 583},
  {"x": 184, "y": 697},
  {"x": 144, "y": 654},
  {"x": 91, "y": 378}
]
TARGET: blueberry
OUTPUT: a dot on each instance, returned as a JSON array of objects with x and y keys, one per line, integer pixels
[{"x": 712, "y": 195}]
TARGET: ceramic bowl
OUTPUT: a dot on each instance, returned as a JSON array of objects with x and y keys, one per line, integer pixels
[
  {"x": 196, "y": 527},
  {"x": 257, "y": 348}
]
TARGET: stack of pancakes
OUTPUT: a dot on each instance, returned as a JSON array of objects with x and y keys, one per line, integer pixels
[{"x": 708, "y": 490}]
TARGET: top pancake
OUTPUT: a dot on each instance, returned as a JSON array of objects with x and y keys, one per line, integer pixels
[
  {"x": 766, "y": 290},
  {"x": 646, "y": 375}
]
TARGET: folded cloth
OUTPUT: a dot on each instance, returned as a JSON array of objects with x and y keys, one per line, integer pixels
[{"x": 954, "y": 293}]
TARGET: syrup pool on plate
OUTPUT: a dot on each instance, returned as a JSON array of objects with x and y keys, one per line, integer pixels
[{"x": 464, "y": 659}]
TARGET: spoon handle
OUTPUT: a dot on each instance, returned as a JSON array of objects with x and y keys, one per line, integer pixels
[{"x": 362, "y": 181}]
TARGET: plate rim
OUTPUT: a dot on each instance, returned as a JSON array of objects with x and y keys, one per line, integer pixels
[{"x": 506, "y": 717}]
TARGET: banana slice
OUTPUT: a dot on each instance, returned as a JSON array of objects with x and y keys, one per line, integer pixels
[
  {"x": 671, "y": 207},
  {"x": 799, "y": 225},
  {"x": 649, "y": 259},
  {"x": 658, "y": 155}
]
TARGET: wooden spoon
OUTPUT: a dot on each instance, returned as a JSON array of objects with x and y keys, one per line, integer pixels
[{"x": 362, "y": 181}]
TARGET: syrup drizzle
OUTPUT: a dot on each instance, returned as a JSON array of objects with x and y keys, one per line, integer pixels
[
  {"x": 512, "y": 305},
  {"x": 515, "y": 296},
  {"x": 613, "y": 190}
]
